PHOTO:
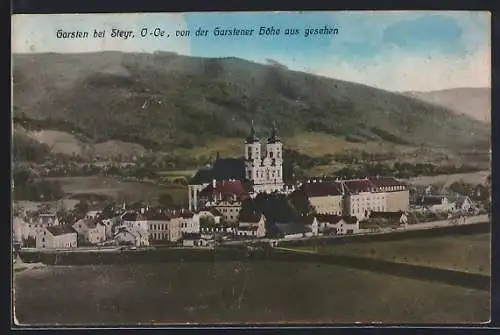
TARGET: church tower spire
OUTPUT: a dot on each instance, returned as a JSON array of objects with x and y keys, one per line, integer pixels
[
  {"x": 274, "y": 134},
  {"x": 252, "y": 137}
]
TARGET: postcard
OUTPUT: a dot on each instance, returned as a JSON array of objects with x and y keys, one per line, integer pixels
[{"x": 264, "y": 168}]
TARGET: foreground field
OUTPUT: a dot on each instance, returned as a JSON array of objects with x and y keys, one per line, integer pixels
[
  {"x": 469, "y": 253},
  {"x": 131, "y": 191},
  {"x": 236, "y": 292}
]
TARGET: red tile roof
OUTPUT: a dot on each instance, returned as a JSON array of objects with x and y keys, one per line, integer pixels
[
  {"x": 322, "y": 189},
  {"x": 225, "y": 187},
  {"x": 359, "y": 185},
  {"x": 386, "y": 182}
]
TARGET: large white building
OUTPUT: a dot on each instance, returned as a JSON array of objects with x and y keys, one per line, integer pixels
[{"x": 357, "y": 197}]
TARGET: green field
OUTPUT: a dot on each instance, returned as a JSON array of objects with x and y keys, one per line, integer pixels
[
  {"x": 237, "y": 292},
  {"x": 469, "y": 253},
  {"x": 121, "y": 190}
]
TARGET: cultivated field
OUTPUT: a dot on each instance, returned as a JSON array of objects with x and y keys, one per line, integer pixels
[
  {"x": 469, "y": 253},
  {"x": 121, "y": 190},
  {"x": 237, "y": 292},
  {"x": 447, "y": 179}
]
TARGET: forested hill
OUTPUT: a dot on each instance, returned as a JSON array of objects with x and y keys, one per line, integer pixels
[{"x": 163, "y": 100}]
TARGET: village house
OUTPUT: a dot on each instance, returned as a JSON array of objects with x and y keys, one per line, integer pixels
[
  {"x": 229, "y": 209},
  {"x": 163, "y": 227},
  {"x": 338, "y": 225},
  {"x": 252, "y": 224},
  {"x": 312, "y": 225},
  {"x": 190, "y": 223},
  {"x": 134, "y": 220},
  {"x": 57, "y": 237},
  {"x": 437, "y": 203},
  {"x": 394, "y": 218},
  {"x": 197, "y": 240},
  {"x": 92, "y": 231},
  {"x": 36, "y": 225},
  {"x": 463, "y": 204},
  {"x": 137, "y": 225},
  {"x": 124, "y": 236}
]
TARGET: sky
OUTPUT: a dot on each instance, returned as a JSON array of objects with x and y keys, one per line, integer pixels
[{"x": 397, "y": 51}]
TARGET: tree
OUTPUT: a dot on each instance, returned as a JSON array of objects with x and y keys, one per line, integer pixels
[
  {"x": 81, "y": 208},
  {"x": 166, "y": 200},
  {"x": 301, "y": 203}
]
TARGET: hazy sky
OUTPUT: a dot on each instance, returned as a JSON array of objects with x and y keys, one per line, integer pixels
[{"x": 390, "y": 50}]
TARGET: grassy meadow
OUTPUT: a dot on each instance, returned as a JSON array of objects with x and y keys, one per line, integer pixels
[
  {"x": 121, "y": 190},
  {"x": 468, "y": 253},
  {"x": 237, "y": 292}
]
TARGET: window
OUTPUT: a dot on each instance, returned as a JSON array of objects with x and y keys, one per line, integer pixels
[
  {"x": 271, "y": 154},
  {"x": 43, "y": 239}
]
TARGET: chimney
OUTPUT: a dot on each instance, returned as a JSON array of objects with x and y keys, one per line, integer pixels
[{"x": 214, "y": 183}]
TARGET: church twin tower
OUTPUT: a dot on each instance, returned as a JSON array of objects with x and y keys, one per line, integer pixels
[{"x": 264, "y": 169}]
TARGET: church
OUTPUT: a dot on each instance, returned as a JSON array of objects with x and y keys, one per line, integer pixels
[{"x": 260, "y": 170}]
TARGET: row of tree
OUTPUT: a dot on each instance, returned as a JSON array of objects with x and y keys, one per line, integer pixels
[{"x": 27, "y": 187}]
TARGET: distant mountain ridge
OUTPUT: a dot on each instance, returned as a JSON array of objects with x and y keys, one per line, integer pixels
[
  {"x": 163, "y": 101},
  {"x": 470, "y": 101}
]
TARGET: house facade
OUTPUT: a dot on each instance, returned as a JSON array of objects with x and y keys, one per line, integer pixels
[
  {"x": 34, "y": 226},
  {"x": 338, "y": 225},
  {"x": 165, "y": 228},
  {"x": 324, "y": 197},
  {"x": 252, "y": 225},
  {"x": 437, "y": 203},
  {"x": 357, "y": 197},
  {"x": 190, "y": 223},
  {"x": 390, "y": 217},
  {"x": 56, "y": 237},
  {"x": 197, "y": 241},
  {"x": 230, "y": 210},
  {"x": 463, "y": 204},
  {"x": 92, "y": 230}
]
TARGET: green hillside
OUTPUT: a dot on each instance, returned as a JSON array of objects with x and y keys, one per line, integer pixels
[{"x": 164, "y": 101}]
